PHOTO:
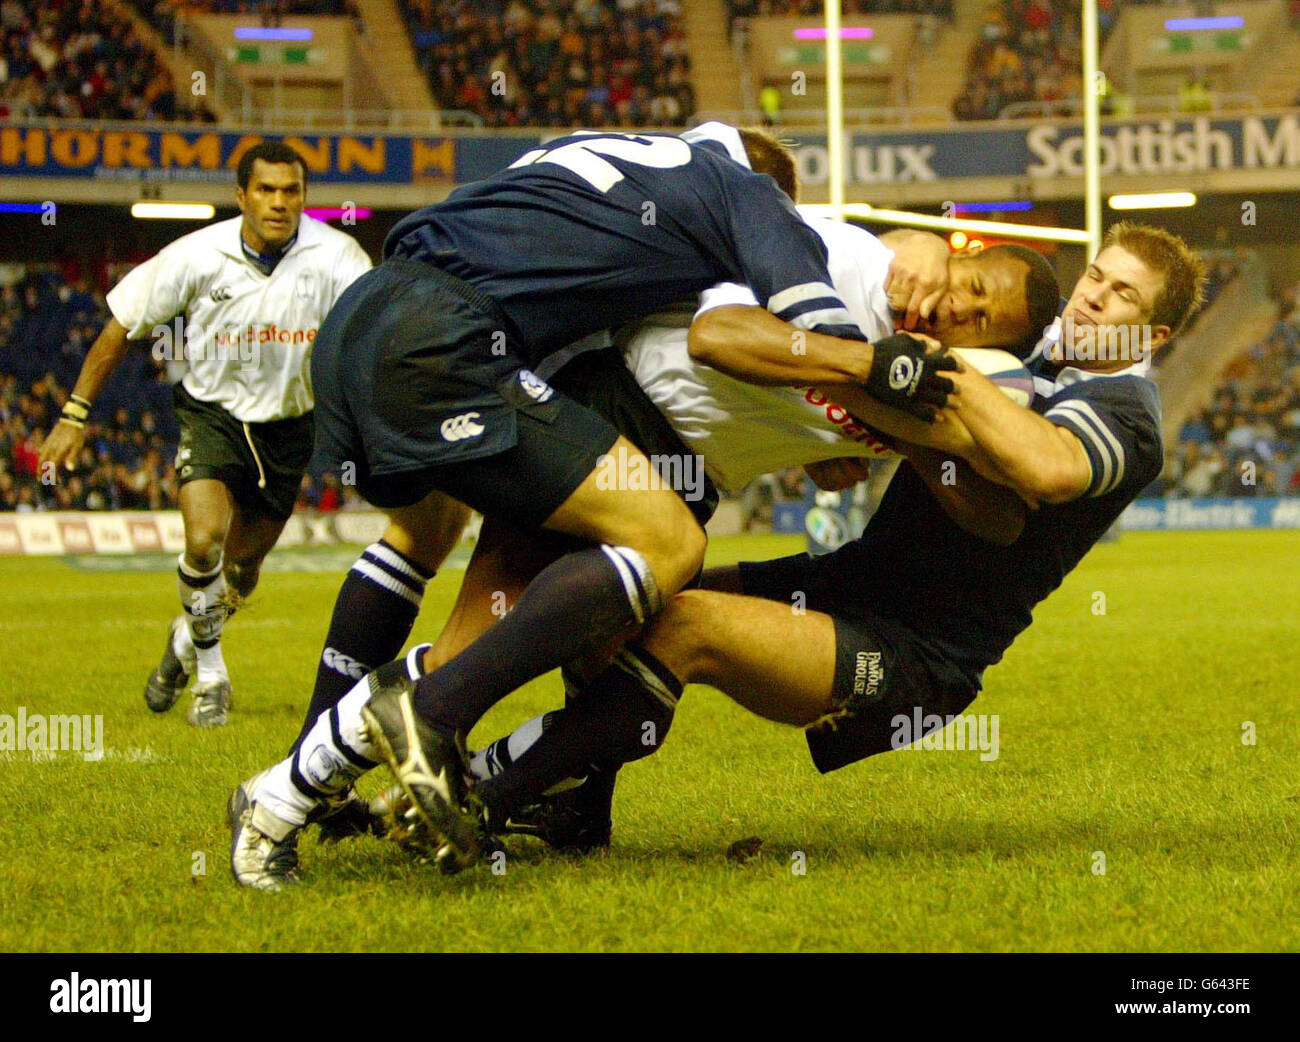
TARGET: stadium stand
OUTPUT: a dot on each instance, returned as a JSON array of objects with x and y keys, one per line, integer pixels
[
  {"x": 1028, "y": 50},
  {"x": 47, "y": 324},
  {"x": 613, "y": 63},
  {"x": 81, "y": 60},
  {"x": 1251, "y": 427},
  {"x": 161, "y": 14}
]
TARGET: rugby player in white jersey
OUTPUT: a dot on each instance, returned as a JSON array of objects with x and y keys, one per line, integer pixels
[{"x": 253, "y": 289}]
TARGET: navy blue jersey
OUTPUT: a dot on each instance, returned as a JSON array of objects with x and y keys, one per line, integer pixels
[
  {"x": 969, "y": 599},
  {"x": 593, "y": 230}
]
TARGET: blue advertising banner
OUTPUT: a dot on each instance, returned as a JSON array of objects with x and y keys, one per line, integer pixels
[
  {"x": 99, "y": 153},
  {"x": 1203, "y": 514},
  {"x": 827, "y": 524},
  {"x": 1048, "y": 150}
]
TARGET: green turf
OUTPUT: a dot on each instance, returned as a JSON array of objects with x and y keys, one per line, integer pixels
[{"x": 1119, "y": 733}]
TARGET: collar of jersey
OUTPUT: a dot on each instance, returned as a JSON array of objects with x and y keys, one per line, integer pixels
[
  {"x": 308, "y": 237},
  {"x": 1067, "y": 375}
]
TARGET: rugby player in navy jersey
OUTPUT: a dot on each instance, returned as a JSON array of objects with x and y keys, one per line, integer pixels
[
  {"x": 910, "y": 615},
  {"x": 425, "y": 383}
]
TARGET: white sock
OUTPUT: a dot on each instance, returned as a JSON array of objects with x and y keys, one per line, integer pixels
[
  {"x": 183, "y": 643},
  {"x": 495, "y": 758},
  {"x": 203, "y": 600},
  {"x": 321, "y": 767},
  {"x": 278, "y": 794},
  {"x": 350, "y": 726}
]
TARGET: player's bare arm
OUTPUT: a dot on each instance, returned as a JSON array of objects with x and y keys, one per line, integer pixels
[
  {"x": 836, "y": 475},
  {"x": 64, "y": 443},
  {"x": 751, "y": 344},
  {"x": 1034, "y": 456}
]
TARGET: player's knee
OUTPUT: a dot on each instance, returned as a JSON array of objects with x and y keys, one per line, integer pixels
[
  {"x": 679, "y": 637},
  {"x": 427, "y": 532},
  {"x": 675, "y": 550},
  {"x": 203, "y": 548}
]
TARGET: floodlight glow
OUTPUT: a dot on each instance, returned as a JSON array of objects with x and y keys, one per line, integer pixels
[
  {"x": 173, "y": 211},
  {"x": 859, "y": 33},
  {"x": 1151, "y": 200}
]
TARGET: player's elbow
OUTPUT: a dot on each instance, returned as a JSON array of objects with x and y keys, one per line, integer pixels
[
  {"x": 1054, "y": 484},
  {"x": 707, "y": 339}
]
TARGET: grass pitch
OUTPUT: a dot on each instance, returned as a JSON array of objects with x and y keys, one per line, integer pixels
[{"x": 1121, "y": 735}]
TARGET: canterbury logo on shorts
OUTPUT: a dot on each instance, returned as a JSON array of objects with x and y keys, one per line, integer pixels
[{"x": 461, "y": 427}]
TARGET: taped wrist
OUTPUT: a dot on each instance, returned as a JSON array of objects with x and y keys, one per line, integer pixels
[{"x": 75, "y": 411}]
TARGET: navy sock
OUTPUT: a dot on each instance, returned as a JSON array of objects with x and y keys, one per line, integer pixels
[
  {"x": 373, "y": 615},
  {"x": 623, "y": 715},
  {"x": 573, "y": 606}
]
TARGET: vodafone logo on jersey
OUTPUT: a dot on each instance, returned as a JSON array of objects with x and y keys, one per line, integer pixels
[{"x": 839, "y": 418}]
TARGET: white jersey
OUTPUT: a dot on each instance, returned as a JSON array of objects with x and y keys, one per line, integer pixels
[
  {"x": 743, "y": 430},
  {"x": 248, "y": 336}
]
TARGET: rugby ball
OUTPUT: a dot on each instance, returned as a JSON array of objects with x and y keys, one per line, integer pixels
[{"x": 1003, "y": 368}]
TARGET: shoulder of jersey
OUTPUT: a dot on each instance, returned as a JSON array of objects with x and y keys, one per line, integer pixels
[
  {"x": 219, "y": 233},
  {"x": 202, "y": 249}
]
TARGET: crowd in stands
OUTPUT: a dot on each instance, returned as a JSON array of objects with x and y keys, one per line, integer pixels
[
  {"x": 80, "y": 59},
  {"x": 47, "y": 324},
  {"x": 48, "y": 320},
  {"x": 613, "y": 63},
  {"x": 125, "y": 465},
  {"x": 1246, "y": 442},
  {"x": 1028, "y": 50},
  {"x": 324, "y": 493}
]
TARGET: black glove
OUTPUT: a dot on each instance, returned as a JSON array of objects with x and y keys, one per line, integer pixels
[{"x": 905, "y": 377}]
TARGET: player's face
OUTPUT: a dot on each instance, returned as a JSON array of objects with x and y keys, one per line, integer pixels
[
  {"x": 272, "y": 204},
  {"x": 985, "y": 305},
  {"x": 1117, "y": 289}
]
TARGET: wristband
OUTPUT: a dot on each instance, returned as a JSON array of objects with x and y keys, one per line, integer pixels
[{"x": 75, "y": 411}]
